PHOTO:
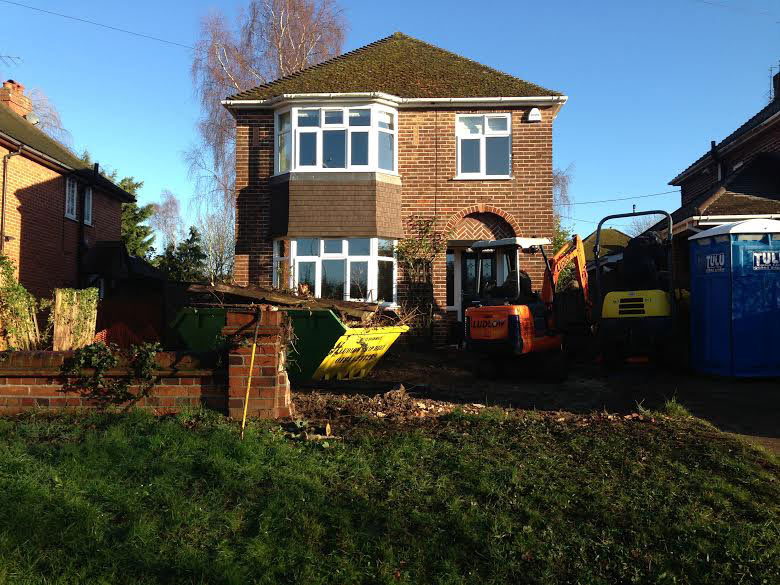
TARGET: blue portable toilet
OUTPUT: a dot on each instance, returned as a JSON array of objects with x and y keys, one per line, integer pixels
[{"x": 735, "y": 299}]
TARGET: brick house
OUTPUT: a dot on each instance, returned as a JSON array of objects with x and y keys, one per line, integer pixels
[
  {"x": 737, "y": 179},
  {"x": 333, "y": 161},
  {"x": 54, "y": 209}
]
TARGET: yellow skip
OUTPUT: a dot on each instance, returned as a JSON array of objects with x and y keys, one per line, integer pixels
[{"x": 356, "y": 352}]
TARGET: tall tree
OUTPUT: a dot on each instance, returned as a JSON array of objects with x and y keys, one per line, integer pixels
[
  {"x": 166, "y": 218},
  {"x": 217, "y": 226},
  {"x": 184, "y": 262},
  {"x": 267, "y": 40},
  {"x": 49, "y": 120}
]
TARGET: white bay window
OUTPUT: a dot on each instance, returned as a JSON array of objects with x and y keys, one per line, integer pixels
[
  {"x": 358, "y": 269},
  {"x": 351, "y": 138},
  {"x": 484, "y": 146}
]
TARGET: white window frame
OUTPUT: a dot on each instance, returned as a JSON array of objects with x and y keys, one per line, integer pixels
[
  {"x": 71, "y": 197},
  {"x": 372, "y": 130},
  {"x": 373, "y": 258},
  {"x": 88, "y": 206},
  {"x": 486, "y": 133}
]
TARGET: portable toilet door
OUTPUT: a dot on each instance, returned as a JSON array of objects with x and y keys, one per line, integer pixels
[
  {"x": 735, "y": 299},
  {"x": 711, "y": 350},
  {"x": 756, "y": 303}
]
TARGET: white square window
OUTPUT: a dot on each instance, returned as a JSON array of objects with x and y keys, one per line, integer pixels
[
  {"x": 88, "y": 206},
  {"x": 71, "y": 189},
  {"x": 484, "y": 146}
]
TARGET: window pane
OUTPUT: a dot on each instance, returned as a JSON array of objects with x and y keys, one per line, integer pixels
[
  {"x": 280, "y": 253},
  {"x": 284, "y": 122},
  {"x": 386, "y": 247},
  {"x": 497, "y": 124},
  {"x": 359, "y": 147},
  {"x": 307, "y": 272},
  {"x": 450, "y": 278},
  {"x": 385, "y": 120},
  {"x": 359, "y": 246},
  {"x": 308, "y": 247},
  {"x": 358, "y": 280},
  {"x": 360, "y": 117},
  {"x": 469, "y": 155},
  {"x": 285, "y": 152},
  {"x": 386, "y": 154},
  {"x": 384, "y": 281},
  {"x": 310, "y": 118},
  {"x": 333, "y": 276},
  {"x": 334, "y": 149},
  {"x": 470, "y": 124},
  {"x": 334, "y": 246},
  {"x": 334, "y": 117},
  {"x": 497, "y": 155},
  {"x": 307, "y": 149}
]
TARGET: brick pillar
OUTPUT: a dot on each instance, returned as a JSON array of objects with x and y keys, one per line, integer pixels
[{"x": 269, "y": 395}]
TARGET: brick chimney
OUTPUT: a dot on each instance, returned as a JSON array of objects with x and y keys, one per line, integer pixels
[
  {"x": 776, "y": 86},
  {"x": 12, "y": 96}
]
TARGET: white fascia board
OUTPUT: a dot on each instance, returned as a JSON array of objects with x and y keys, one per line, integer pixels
[
  {"x": 713, "y": 220},
  {"x": 392, "y": 100}
]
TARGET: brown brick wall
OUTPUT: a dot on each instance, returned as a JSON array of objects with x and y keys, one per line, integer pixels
[
  {"x": 427, "y": 165},
  {"x": 44, "y": 244},
  {"x": 32, "y": 379},
  {"x": 254, "y": 166}
]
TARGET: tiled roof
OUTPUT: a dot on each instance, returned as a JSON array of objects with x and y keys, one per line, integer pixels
[
  {"x": 403, "y": 66},
  {"x": 20, "y": 130},
  {"x": 611, "y": 242},
  {"x": 770, "y": 110}
]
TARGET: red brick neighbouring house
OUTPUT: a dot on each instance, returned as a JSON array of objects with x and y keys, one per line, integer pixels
[
  {"x": 737, "y": 179},
  {"x": 54, "y": 208},
  {"x": 332, "y": 162}
]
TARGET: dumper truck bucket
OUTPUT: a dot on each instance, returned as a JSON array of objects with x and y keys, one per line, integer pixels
[{"x": 323, "y": 348}]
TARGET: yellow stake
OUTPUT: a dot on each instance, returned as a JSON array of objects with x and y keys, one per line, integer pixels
[{"x": 249, "y": 377}]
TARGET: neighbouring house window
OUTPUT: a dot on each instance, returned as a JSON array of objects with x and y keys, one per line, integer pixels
[
  {"x": 484, "y": 146},
  {"x": 71, "y": 189},
  {"x": 353, "y": 268},
  {"x": 88, "y": 206},
  {"x": 336, "y": 138}
]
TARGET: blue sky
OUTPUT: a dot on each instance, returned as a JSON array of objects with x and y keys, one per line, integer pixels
[{"x": 649, "y": 83}]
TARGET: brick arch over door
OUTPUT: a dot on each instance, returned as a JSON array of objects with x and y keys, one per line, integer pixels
[{"x": 482, "y": 222}]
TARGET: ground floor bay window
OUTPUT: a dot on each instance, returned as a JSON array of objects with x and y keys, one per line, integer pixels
[{"x": 356, "y": 269}]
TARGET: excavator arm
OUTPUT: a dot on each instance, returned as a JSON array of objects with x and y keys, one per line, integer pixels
[{"x": 572, "y": 251}]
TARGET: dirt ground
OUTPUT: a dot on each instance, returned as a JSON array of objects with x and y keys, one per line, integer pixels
[{"x": 436, "y": 381}]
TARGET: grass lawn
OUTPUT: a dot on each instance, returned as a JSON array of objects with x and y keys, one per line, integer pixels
[{"x": 488, "y": 498}]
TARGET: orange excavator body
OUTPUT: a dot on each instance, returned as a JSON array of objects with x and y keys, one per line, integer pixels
[{"x": 501, "y": 326}]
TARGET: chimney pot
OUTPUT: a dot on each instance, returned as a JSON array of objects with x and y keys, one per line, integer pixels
[{"x": 12, "y": 97}]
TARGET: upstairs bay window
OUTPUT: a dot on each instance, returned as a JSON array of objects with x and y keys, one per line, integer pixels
[
  {"x": 361, "y": 269},
  {"x": 484, "y": 146},
  {"x": 361, "y": 138}
]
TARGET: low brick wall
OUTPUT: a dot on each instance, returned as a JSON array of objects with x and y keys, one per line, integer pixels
[{"x": 32, "y": 379}]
